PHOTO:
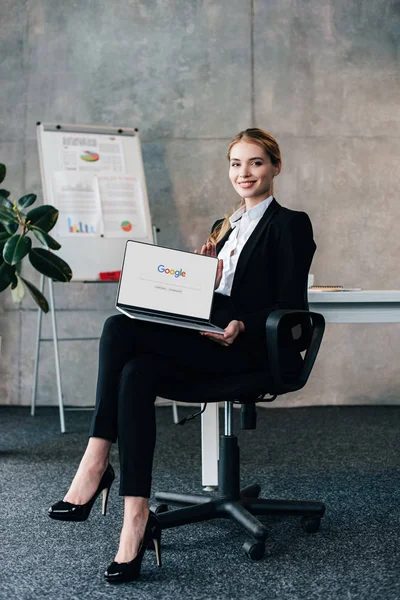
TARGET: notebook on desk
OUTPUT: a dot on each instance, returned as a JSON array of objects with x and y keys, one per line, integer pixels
[
  {"x": 167, "y": 286},
  {"x": 332, "y": 288}
]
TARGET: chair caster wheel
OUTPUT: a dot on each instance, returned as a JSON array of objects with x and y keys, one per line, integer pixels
[
  {"x": 251, "y": 491},
  {"x": 310, "y": 524},
  {"x": 254, "y": 550},
  {"x": 162, "y": 508}
]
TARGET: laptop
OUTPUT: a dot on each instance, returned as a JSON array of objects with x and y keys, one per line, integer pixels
[{"x": 167, "y": 286}]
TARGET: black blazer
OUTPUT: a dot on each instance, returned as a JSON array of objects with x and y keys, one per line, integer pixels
[{"x": 272, "y": 269}]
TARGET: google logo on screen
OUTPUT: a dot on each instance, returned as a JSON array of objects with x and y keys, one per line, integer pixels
[{"x": 176, "y": 274}]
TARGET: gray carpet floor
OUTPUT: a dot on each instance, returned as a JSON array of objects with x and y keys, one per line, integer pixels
[{"x": 348, "y": 457}]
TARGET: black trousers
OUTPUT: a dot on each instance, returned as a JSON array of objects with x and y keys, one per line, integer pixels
[{"x": 134, "y": 357}]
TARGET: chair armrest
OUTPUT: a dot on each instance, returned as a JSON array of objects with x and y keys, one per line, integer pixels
[{"x": 275, "y": 323}]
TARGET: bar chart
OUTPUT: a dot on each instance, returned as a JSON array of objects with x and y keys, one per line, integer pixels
[{"x": 80, "y": 227}]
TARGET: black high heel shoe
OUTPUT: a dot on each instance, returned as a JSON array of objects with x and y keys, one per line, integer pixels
[
  {"x": 129, "y": 571},
  {"x": 66, "y": 511}
]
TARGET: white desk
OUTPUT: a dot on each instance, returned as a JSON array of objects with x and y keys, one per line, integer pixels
[{"x": 366, "y": 306}]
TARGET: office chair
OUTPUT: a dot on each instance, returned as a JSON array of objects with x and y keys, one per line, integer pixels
[{"x": 301, "y": 329}]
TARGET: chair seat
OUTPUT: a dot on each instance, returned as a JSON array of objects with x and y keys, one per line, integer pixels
[{"x": 246, "y": 387}]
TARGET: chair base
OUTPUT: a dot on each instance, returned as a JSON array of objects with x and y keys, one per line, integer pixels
[{"x": 242, "y": 506}]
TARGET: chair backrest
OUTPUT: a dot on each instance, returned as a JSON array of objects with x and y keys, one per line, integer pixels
[
  {"x": 302, "y": 332},
  {"x": 282, "y": 330},
  {"x": 306, "y": 330}
]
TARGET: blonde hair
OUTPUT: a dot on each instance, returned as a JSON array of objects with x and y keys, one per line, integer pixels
[{"x": 270, "y": 146}]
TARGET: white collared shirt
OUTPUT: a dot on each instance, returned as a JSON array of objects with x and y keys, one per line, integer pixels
[{"x": 243, "y": 224}]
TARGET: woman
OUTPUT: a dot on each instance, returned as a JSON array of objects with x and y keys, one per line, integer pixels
[{"x": 264, "y": 252}]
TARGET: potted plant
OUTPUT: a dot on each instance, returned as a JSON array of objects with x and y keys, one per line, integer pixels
[{"x": 16, "y": 227}]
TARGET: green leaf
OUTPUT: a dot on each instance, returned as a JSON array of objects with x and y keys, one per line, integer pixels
[
  {"x": 26, "y": 201},
  {"x": 7, "y": 215},
  {"x": 50, "y": 265},
  {"x": 4, "y": 236},
  {"x": 4, "y": 201},
  {"x": 37, "y": 296},
  {"x": 4, "y": 193},
  {"x": 11, "y": 228},
  {"x": 16, "y": 248},
  {"x": 3, "y": 172},
  {"x": 46, "y": 239},
  {"x": 44, "y": 217},
  {"x": 7, "y": 275}
]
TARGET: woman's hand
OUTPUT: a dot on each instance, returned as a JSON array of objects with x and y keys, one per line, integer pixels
[
  {"x": 210, "y": 250},
  {"x": 230, "y": 334}
]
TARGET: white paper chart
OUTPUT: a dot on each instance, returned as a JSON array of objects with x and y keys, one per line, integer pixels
[{"x": 94, "y": 176}]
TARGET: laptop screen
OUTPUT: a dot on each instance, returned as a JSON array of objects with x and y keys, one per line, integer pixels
[{"x": 167, "y": 280}]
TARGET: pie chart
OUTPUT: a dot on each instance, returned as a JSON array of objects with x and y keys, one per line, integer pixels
[
  {"x": 126, "y": 225},
  {"x": 89, "y": 156}
]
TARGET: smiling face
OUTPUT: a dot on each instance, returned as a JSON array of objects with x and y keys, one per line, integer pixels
[{"x": 251, "y": 172}]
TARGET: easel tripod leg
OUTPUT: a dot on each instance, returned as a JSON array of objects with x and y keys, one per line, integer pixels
[
  {"x": 36, "y": 367},
  {"x": 56, "y": 355},
  {"x": 175, "y": 412}
]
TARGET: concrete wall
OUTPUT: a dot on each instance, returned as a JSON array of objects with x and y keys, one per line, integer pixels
[{"x": 321, "y": 75}]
